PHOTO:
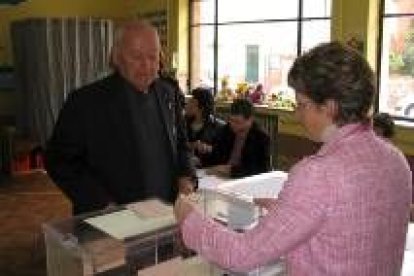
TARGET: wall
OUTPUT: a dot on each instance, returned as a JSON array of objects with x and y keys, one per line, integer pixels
[
  {"x": 48, "y": 8},
  {"x": 360, "y": 23},
  {"x": 51, "y": 8},
  {"x": 4, "y": 37},
  {"x": 182, "y": 47},
  {"x": 177, "y": 52}
]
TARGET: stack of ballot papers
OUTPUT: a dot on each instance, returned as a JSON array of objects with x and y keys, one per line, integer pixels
[
  {"x": 231, "y": 201},
  {"x": 137, "y": 218},
  {"x": 265, "y": 185}
]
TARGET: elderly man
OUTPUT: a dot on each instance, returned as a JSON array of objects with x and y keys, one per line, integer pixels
[{"x": 122, "y": 138}]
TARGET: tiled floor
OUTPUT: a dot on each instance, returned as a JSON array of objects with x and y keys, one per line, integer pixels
[{"x": 26, "y": 201}]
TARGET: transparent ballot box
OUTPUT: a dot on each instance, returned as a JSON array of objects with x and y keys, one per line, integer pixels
[{"x": 120, "y": 241}]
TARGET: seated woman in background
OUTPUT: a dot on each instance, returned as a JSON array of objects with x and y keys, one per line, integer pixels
[
  {"x": 343, "y": 210},
  {"x": 384, "y": 125},
  {"x": 202, "y": 125}
]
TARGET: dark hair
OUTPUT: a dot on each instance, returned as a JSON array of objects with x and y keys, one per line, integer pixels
[
  {"x": 385, "y": 123},
  {"x": 333, "y": 71},
  {"x": 205, "y": 100},
  {"x": 242, "y": 107}
]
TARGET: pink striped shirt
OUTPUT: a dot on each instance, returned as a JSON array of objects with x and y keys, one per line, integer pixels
[{"x": 343, "y": 211}]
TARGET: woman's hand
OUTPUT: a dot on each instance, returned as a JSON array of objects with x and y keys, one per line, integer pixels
[
  {"x": 265, "y": 203},
  {"x": 183, "y": 206}
]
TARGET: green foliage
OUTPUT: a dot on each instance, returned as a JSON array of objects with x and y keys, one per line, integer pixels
[
  {"x": 408, "y": 53},
  {"x": 404, "y": 63},
  {"x": 396, "y": 62}
]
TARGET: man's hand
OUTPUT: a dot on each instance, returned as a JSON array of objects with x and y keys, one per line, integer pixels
[
  {"x": 185, "y": 185},
  {"x": 192, "y": 145},
  {"x": 203, "y": 147}
]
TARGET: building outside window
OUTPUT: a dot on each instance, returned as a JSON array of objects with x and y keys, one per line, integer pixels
[
  {"x": 253, "y": 41},
  {"x": 397, "y": 59}
]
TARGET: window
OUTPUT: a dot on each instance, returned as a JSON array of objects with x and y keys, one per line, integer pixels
[
  {"x": 253, "y": 41},
  {"x": 396, "y": 84},
  {"x": 252, "y": 63}
]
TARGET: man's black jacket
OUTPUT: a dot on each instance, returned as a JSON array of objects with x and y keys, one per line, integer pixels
[{"x": 91, "y": 155}]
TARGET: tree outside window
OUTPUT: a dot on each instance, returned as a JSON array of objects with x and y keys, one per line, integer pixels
[{"x": 397, "y": 62}]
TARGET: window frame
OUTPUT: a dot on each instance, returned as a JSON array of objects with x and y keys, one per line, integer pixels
[{"x": 300, "y": 19}]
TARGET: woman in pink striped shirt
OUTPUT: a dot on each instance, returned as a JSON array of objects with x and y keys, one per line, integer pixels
[{"x": 343, "y": 210}]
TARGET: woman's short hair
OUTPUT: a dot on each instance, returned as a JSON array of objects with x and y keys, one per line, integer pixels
[
  {"x": 205, "y": 100},
  {"x": 333, "y": 71}
]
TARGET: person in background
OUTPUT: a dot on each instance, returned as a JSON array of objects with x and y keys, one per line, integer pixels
[
  {"x": 343, "y": 210},
  {"x": 202, "y": 125},
  {"x": 241, "y": 147},
  {"x": 384, "y": 125},
  {"x": 122, "y": 139},
  {"x": 257, "y": 95}
]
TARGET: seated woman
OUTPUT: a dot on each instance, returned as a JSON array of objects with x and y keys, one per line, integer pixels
[
  {"x": 202, "y": 125},
  {"x": 384, "y": 125}
]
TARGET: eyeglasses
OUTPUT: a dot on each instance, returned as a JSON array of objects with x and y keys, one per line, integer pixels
[{"x": 302, "y": 105}]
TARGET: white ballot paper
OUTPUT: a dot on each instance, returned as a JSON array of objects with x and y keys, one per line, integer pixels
[
  {"x": 408, "y": 263},
  {"x": 138, "y": 218},
  {"x": 409, "y": 243}
]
